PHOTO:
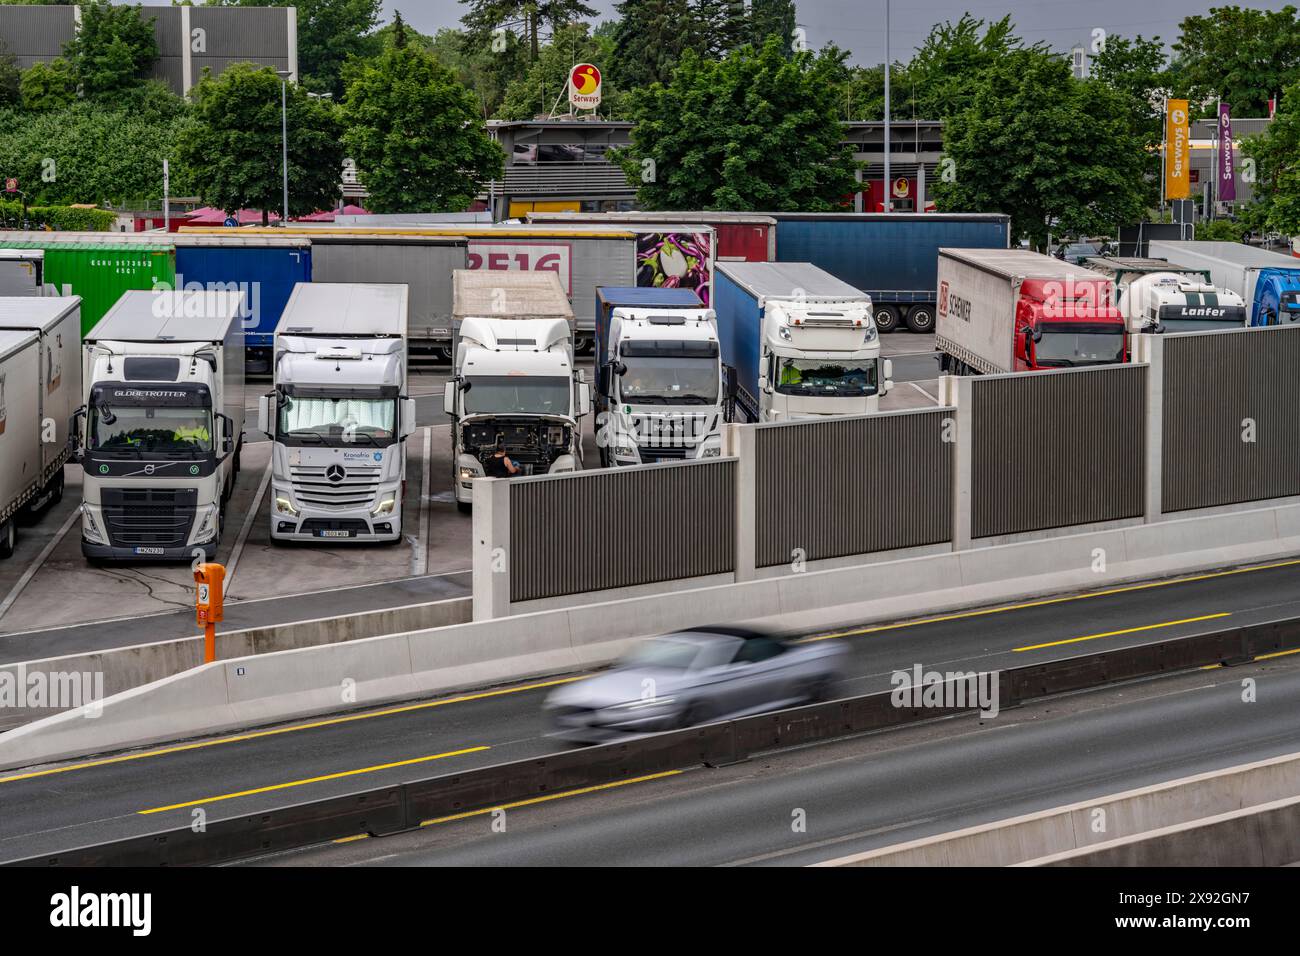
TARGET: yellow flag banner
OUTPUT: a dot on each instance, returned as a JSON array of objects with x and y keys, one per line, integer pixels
[{"x": 1177, "y": 151}]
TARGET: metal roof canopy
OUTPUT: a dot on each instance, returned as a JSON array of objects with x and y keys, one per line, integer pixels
[
  {"x": 142, "y": 316},
  {"x": 362, "y": 309},
  {"x": 780, "y": 280},
  {"x": 36, "y": 312}
]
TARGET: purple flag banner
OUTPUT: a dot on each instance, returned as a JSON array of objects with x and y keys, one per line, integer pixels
[{"x": 1227, "y": 180}]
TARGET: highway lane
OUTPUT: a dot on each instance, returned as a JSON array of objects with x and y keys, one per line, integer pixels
[
  {"x": 877, "y": 790},
  {"x": 80, "y": 803}
]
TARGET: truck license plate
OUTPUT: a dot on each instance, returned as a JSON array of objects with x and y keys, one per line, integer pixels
[
  {"x": 148, "y": 550},
  {"x": 325, "y": 533}
]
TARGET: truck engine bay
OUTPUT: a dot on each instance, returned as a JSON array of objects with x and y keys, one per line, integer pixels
[{"x": 532, "y": 444}]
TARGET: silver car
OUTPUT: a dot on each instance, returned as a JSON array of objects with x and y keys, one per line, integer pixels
[{"x": 694, "y": 677}]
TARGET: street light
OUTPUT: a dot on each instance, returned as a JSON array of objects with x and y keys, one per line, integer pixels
[
  {"x": 888, "y": 191},
  {"x": 284, "y": 141}
]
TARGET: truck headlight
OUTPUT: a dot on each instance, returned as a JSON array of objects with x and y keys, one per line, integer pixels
[
  {"x": 624, "y": 450},
  {"x": 712, "y": 451},
  {"x": 385, "y": 508},
  {"x": 89, "y": 528},
  {"x": 207, "y": 528},
  {"x": 467, "y": 473},
  {"x": 284, "y": 507},
  {"x": 871, "y": 335}
]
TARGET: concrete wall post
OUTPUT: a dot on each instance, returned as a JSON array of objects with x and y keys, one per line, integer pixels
[{"x": 491, "y": 550}]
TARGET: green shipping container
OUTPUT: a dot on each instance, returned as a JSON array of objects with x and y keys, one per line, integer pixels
[{"x": 101, "y": 270}]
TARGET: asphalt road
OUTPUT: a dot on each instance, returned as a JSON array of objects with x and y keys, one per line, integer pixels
[{"x": 57, "y": 807}]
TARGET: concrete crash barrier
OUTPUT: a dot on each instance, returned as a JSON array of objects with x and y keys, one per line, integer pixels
[
  {"x": 1266, "y": 835},
  {"x": 309, "y": 681},
  {"x": 1101, "y": 832},
  {"x": 115, "y": 670},
  {"x": 391, "y": 809}
]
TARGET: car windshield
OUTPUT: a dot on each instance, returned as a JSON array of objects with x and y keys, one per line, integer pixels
[
  {"x": 517, "y": 394},
  {"x": 662, "y": 654},
  {"x": 670, "y": 381},
  {"x": 1078, "y": 346},
  {"x": 336, "y": 421},
  {"x": 144, "y": 429},
  {"x": 826, "y": 377}
]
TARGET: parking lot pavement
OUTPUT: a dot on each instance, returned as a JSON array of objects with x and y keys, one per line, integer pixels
[
  {"x": 905, "y": 395},
  {"x": 913, "y": 355}
]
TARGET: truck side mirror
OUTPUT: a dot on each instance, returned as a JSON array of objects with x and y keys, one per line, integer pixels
[
  {"x": 76, "y": 446},
  {"x": 584, "y": 399},
  {"x": 762, "y": 385},
  {"x": 408, "y": 417},
  {"x": 226, "y": 431},
  {"x": 266, "y": 413},
  {"x": 449, "y": 398},
  {"x": 887, "y": 385}
]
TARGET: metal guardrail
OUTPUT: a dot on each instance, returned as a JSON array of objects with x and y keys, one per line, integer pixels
[{"x": 388, "y": 810}]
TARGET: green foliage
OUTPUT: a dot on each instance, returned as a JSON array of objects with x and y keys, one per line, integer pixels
[
  {"x": 755, "y": 131},
  {"x": 722, "y": 24},
  {"x": 64, "y": 218},
  {"x": 523, "y": 17},
  {"x": 1275, "y": 154},
  {"x": 1241, "y": 56},
  {"x": 113, "y": 49},
  {"x": 1138, "y": 70},
  {"x": 650, "y": 38},
  {"x": 948, "y": 68},
  {"x": 861, "y": 95},
  {"x": 48, "y": 86},
  {"x": 1056, "y": 154},
  {"x": 486, "y": 72},
  {"x": 416, "y": 135},
  {"x": 772, "y": 18},
  {"x": 232, "y": 148},
  {"x": 10, "y": 78},
  {"x": 545, "y": 84},
  {"x": 1221, "y": 230}
]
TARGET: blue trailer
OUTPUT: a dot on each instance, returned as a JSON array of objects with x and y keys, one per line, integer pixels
[
  {"x": 265, "y": 269},
  {"x": 893, "y": 257}
]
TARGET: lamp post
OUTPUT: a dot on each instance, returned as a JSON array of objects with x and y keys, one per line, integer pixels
[
  {"x": 888, "y": 191},
  {"x": 284, "y": 141}
]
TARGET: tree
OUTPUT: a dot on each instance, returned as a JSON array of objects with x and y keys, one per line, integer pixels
[
  {"x": 1057, "y": 154},
  {"x": 233, "y": 146},
  {"x": 114, "y": 48},
  {"x": 650, "y": 37},
  {"x": 946, "y": 70},
  {"x": 330, "y": 32},
  {"x": 526, "y": 17},
  {"x": 48, "y": 86},
  {"x": 11, "y": 78},
  {"x": 1138, "y": 70},
  {"x": 545, "y": 84},
  {"x": 722, "y": 25},
  {"x": 485, "y": 72},
  {"x": 772, "y": 18},
  {"x": 416, "y": 135},
  {"x": 1275, "y": 154},
  {"x": 861, "y": 95},
  {"x": 754, "y": 131},
  {"x": 1242, "y": 56}
]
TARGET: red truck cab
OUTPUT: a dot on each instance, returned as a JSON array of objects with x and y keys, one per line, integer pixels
[{"x": 1068, "y": 323}]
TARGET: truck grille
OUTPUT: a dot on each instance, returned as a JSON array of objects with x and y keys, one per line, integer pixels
[
  {"x": 356, "y": 488},
  {"x": 669, "y": 430},
  {"x": 650, "y": 455},
  {"x": 154, "y": 517}
]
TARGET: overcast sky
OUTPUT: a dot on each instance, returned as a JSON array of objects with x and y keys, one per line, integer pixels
[{"x": 858, "y": 25}]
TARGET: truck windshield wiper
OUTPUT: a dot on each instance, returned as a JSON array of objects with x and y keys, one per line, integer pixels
[
  {"x": 307, "y": 434},
  {"x": 366, "y": 435},
  {"x": 698, "y": 399}
]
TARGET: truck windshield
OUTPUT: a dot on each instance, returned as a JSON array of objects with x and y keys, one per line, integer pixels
[
  {"x": 516, "y": 394},
  {"x": 826, "y": 377},
  {"x": 336, "y": 421},
  {"x": 1078, "y": 345},
  {"x": 670, "y": 381},
  {"x": 155, "y": 430}
]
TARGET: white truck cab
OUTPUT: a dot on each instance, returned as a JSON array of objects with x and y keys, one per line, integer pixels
[{"x": 1176, "y": 302}]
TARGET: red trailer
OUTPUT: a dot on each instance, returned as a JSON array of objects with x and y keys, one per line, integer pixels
[{"x": 742, "y": 237}]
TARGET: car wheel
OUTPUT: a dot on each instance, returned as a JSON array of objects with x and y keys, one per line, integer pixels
[
  {"x": 8, "y": 538},
  {"x": 693, "y": 715},
  {"x": 886, "y": 317},
  {"x": 920, "y": 318}
]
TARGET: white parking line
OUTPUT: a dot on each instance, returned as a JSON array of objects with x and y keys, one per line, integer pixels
[
  {"x": 934, "y": 399},
  {"x": 30, "y": 573},
  {"x": 420, "y": 552},
  {"x": 249, "y": 518}
]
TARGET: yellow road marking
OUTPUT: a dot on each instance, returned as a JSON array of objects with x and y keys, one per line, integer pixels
[
  {"x": 1127, "y": 630},
  {"x": 551, "y": 796},
  {"x": 981, "y": 612},
  {"x": 253, "y": 735},
  {"x": 302, "y": 783}
]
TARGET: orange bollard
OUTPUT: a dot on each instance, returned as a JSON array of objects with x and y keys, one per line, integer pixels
[{"x": 208, "y": 602}]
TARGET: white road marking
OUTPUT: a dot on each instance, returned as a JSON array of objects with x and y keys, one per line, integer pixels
[
  {"x": 30, "y": 573},
  {"x": 934, "y": 399},
  {"x": 249, "y": 518}
]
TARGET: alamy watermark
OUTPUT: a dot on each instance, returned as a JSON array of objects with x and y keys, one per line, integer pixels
[{"x": 946, "y": 689}]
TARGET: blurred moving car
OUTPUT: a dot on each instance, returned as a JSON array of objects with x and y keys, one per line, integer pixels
[{"x": 693, "y": 677}]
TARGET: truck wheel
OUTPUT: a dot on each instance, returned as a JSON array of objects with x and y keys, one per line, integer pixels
[
  {"x": 58, "y": 489},
  {"x": 886, "y": 318},
  {"x": 920, "y": 318},
  {"x": 8, "y": 538}
]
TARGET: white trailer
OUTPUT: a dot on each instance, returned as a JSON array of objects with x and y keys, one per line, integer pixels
[
  {"x": 1268, "y": 282},
  {"x": 22, "y": 272},
  {"x": 339, "y": 414},
  {"x": 163, "y": 376}
]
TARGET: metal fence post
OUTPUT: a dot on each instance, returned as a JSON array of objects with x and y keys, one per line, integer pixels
[
  {"x": 741, "y": 445},
  {"x": 491, "y": 548},
  {"x": 1150, "y": 349},
  {"x": 957, "y": 391}
]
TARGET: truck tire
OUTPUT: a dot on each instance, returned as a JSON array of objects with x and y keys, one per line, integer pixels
[
  {"x": 920, "y": 318},
  {"x": 886, "y": 318},
  {"x": 8, "y": 538},
  {"x": 58, "y": 488}
]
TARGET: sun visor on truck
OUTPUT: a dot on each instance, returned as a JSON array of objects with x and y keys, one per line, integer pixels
[
  {"x": 186, "y": 394},
  {"x": 667, "y": 348}
]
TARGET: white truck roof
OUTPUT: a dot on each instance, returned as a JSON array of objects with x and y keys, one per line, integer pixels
[
  {"x": 347, "y": 309},
  {"x": 25, "y": 255},
  {"x": 36, "y": 312},
  {"x": 15, "y": 340},
  {"x": 492, "y": 294},
  {"x": 1236, "y": 253},
  {"x": 514, "y": 335},
  {"x": 1021, "y": 264},
  {"x": 789, "y": 280},
  {"x": 164, "y": 316}
]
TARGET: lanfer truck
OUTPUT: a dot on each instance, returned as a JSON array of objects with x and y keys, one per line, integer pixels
[
  {"x": 798, "y": 343},
  {"x": 659, "y": 391},
  {"x": 1268, "y": 282},
  {"x": 515, "y": 385},
  {"x": 40, "y": 388},
  {"x": 163, "y": 425},
  {"x": 1011, "y": 310},
  {"x": 339, "y": 413}
]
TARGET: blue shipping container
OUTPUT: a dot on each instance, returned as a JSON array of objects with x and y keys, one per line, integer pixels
[{"x": 265, "y": 269}]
